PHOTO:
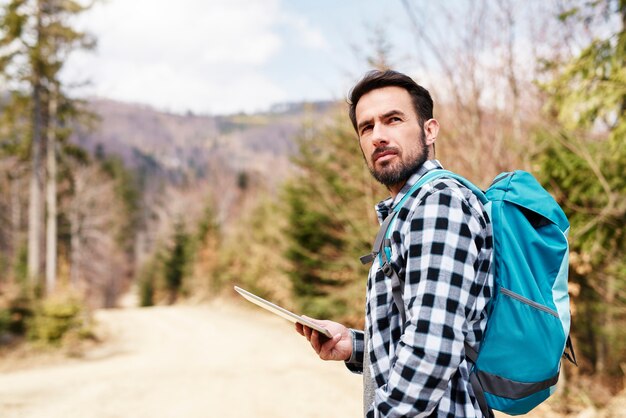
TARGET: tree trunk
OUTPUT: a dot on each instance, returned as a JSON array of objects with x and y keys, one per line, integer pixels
[
  {"x": 35, "y": 210},
  {"x": 35, "y": 207},
  {"x": 16, "y": 216},
  {"x": 622, "y": 56},
  {"x": 51, "y": 196},
  {"x": 75, "y": 244}
]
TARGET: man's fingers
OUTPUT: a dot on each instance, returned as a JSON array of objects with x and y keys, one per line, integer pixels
[
  {"x": 315, "y": 341},
  {"x": 327, "y": 348},
  {"x": 307, "y": 332}
]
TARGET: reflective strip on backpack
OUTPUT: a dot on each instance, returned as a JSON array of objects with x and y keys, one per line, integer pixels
[{"x": 499, "y": 386}]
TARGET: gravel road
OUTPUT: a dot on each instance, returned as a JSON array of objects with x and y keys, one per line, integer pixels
[
  {"x": 221, "y": 360},
  {"x": 218, "y": 360}
]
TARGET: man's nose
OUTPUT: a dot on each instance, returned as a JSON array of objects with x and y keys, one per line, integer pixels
[{"x": 379, "y": 135}]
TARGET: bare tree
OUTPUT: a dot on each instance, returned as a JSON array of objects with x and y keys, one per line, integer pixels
[
  {"x": 97, "y": 263},
  {"x": 479, "y": 57}
]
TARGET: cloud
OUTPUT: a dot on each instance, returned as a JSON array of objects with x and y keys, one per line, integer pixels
[
  {"x": 206, "y": 56},
  {"x": 228, "y": 31},
  {"x": 307, "y": 35}
]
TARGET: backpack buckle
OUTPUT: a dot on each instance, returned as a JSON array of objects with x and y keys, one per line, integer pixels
[{"x": 387, "y": 269}]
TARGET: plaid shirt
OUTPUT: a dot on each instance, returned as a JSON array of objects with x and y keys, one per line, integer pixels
[{"x": 441, "y": 247}]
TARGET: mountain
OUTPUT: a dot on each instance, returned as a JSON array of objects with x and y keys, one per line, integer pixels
[
  {"x": 194, "y": 147},
  {"x": 185, "y": 162}
]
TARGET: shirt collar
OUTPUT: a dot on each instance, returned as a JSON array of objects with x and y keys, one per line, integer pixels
[{"x": 384, "y": 207}]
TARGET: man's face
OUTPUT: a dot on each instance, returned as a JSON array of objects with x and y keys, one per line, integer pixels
[{"x": 391, "y": 136}]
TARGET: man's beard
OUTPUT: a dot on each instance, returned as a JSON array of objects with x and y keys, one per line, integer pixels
[{"x": 401, "y": 170}]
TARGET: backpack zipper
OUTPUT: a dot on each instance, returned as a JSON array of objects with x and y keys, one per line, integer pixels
[{"x": 528, "y": 302}]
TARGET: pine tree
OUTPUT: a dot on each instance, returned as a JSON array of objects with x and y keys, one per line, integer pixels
[
  {"x": 331, "y": 221},
  {"x": 36, "y": 40},
  {"x": 176, "y": 262}
]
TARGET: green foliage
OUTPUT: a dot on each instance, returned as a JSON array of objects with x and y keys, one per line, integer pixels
[
  {"x": 243, "y": 180},
  {"x": 20, "y": 311},
  {"x": 583, "y": 161},
  {"x": 590, "y": 90},
  {"x": 55, "y": 318},
  {"x": 252, "y": 255},
  {"x": 208, "y": 225},
  {"x": 14, "y": 126},
  {"x": 171, "y": 271},
  {"x": 176, "y": 261},
  {"x": 331, "y": 222},
  {"x": 147, "y": 280},
  {"x": 36, "y": 37},
  {"x": 14, "y": 310},
  {"x": 146, "y": 291},
  {"x": 127, "y": 188},
  {"x": 316, "y": 242},
  {"x": 20, "y": 268},
  {"x": 5, "y": 321}
]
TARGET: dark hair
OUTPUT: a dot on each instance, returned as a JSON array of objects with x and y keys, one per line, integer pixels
[{"x": 376, "y": 79}]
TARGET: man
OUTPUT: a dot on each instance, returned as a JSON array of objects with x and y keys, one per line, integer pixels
[{"x": 441, "y": 248}]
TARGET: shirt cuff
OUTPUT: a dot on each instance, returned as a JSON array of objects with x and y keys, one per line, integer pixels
[{"x": 355, "y": 362}]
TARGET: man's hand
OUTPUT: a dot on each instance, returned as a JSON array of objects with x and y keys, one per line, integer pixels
[{"x": 337, "y": 348}]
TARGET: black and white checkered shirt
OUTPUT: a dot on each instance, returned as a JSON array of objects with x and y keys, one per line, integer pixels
[{"x": 441, "y": 247}]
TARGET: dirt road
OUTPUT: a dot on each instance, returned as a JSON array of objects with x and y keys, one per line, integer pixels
[{"x": 211, "y": 361}]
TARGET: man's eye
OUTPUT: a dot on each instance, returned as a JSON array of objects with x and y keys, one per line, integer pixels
[
  {"x": 394, "y": 119},
  {"x": 366, "y": 129}
]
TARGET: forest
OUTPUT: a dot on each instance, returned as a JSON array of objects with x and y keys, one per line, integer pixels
[{"x": 99, "y": 199}]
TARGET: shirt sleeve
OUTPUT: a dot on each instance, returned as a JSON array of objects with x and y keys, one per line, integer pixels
[
  {"x": 442, "y": 262},
  {"x": 355, "y": 362}
]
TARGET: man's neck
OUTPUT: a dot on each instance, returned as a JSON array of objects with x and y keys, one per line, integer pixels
[{"x": 395, "y": 189}]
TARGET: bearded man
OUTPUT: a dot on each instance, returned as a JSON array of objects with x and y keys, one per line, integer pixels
[{"x": 441, "y": 245}]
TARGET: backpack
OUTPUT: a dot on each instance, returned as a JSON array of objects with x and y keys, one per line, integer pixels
[{"x": 528, "y": 325}]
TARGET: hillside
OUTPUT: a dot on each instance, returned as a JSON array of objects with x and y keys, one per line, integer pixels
[
  {"x": 183, "y": 163},
  {"x": 195, "y": 147}
]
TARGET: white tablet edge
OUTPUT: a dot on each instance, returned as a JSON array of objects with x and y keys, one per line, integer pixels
[{"x": 280, "y": 311}]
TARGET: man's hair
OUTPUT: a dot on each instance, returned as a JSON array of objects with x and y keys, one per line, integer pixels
[{"x": 376, "y": 79}]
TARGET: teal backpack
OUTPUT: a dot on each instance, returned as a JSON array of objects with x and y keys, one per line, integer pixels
[{"x": 527, "y": 331}]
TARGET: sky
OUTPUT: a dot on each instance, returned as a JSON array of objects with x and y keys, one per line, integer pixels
[{"x": 228, "y": 56}]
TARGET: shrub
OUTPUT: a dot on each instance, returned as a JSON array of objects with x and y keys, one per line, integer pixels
[
  {"x": 54, "y": 318},
  {"x": 5, "y": 321},
  {"x": 146, "y": 292},
  {"x": 15, "y": 309}
]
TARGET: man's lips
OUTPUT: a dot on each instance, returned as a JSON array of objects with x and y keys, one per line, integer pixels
[{"x": 384, "y": 153}]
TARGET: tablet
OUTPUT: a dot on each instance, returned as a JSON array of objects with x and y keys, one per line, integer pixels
[{"x": 282, "y": 312}]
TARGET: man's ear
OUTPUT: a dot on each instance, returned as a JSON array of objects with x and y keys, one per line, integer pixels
[{"x": 431, "y": 130}]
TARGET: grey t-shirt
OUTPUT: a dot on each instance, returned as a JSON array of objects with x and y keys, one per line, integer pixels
[{"x": 368, "y": 381}]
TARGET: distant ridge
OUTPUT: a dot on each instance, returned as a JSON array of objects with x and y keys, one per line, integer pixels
[{"x": 186, "y": 146}]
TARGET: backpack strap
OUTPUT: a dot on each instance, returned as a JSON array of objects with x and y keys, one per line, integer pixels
[
  {"x": 480, "y": 396},
  {"x": 571, "y": 356},
  {"x": 472, "y": 356},
  {"x": 465, "y": 182},
  {"x": 396, "y": 284},
  {"x": 379, "y": 241}
]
